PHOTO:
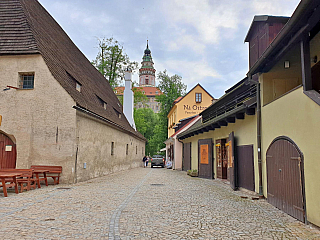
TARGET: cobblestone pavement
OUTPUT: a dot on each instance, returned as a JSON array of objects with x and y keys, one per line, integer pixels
[{"x": 144, "y": 203}]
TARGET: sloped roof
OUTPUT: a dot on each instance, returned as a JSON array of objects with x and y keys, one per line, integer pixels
[
  {"x": 27, "y": 28},
  {"x": 149, "y": 91},
  {"x": 188, "y": 124}
]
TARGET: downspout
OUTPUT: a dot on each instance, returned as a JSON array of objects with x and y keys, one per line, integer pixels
[
  {"x": 259, "y": 139},
  {"x": 258, "y": 133}
]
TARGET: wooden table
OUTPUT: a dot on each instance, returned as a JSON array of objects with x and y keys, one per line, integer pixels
[
  {"x": 12, "y": 179},
  {"x": 36, "y": 172}
]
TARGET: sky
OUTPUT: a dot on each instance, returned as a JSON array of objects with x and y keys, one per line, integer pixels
[{"x": 200, "y": 40}]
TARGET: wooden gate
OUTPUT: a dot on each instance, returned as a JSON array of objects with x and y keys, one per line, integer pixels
[
  {"x": 8, "y": 153},
  {"x": 222, "y": 160},
  {"x": 245, "y": 167},
  {"x": 186, "y": 164},
  {"x": 205, "y": 165},
  {"x": 285, "y": 177}
]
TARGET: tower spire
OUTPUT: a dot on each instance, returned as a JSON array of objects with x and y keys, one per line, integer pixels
[
  {"x": 147, "y": 43},
  {"x": 147, "y": 71}
]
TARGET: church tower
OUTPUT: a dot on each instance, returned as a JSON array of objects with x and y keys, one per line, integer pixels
[{"x": 147, "y": 71}]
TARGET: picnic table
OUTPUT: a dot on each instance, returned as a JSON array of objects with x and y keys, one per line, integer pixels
[
  {"x": 38, "y": 178},
  {"x": 11, "y": 178}
]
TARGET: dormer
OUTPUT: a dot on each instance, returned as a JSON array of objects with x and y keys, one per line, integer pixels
[{"x": 261, "y": 33}]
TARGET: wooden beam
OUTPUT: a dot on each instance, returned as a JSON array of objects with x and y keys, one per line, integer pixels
[
  {"x": 239, "y": 115},
  {"x": 231, "y": 119},
  {"x": 223, "y": 123},
  {"x": 305, "y": 64},
  {"x": 250, "y": 111}
]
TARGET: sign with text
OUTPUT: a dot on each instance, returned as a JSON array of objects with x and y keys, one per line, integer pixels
[
  {"x": 193, "y": 109},
  {"x": 204, "y": 157}
]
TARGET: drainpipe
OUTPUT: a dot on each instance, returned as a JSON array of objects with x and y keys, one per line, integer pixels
[
  {"x": 258, "y": 134},
  {"x": 259, "y": 139}
]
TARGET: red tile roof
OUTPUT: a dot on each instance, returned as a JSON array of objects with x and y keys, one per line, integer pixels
[{"x": 149, "y": 91}]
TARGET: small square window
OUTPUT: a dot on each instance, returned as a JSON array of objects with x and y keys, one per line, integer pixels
[
  {"x": 78, "y": 87},
  {"x": 26, "y": 81},
  {"x": 104, "y": 105},
  {"x": 198, "y": 97}
]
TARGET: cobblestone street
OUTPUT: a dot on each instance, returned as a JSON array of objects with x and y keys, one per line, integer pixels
[{"x": 144, "y": 203}]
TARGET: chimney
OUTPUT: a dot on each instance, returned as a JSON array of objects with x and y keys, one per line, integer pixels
[{"x": 128, "y": 98}]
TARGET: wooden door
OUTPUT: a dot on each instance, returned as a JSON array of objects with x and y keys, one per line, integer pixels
[
  {"x": 245, "y": 167},
  {"x": 8, "y": 152},
  {"x": 222, "y": 160},
  {"x": 232, "y": 166},
  {"x": 186, "y": 163},
  {"x": 205, "y": 158},
  {"x": 285, "y": 178}
]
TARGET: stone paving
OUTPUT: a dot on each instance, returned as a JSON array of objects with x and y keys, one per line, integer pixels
[{"x": 144, "y": 203}]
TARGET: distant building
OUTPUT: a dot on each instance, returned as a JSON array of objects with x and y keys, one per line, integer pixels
[
  {"x": 191, "y": 104},
  {"x": 147, "y": 83}
]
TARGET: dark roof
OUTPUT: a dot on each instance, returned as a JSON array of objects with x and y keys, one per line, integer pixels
[
  {"x": 16, "y": 36},
  {"x": 265, "y": 18},
  {"x": 300, "y": 23},
  {"x": 29, "y": 28}
]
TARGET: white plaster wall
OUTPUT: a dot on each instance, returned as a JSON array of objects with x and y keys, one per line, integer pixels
[
  {"x": 42, "y": 119},
  {"x": 94, "y": 149}
]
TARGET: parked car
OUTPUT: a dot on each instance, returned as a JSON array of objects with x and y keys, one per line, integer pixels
[{"x": 157, "y": 160}]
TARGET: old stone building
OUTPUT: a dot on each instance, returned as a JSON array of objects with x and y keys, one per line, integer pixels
[{"x": 56, "y": 108}]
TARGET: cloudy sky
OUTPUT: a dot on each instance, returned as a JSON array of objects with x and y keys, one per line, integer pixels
[{"x": 200, "y": 40}]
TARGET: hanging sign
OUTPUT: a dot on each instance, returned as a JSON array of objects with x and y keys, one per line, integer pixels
[
  {"x": 204, "y": 157},
  {"x": 8, "y": 148}
]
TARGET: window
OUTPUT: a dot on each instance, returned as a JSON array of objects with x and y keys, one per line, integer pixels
[
  {"x": 104, "y": 105},
  {"x": 117, "y": 112},
  {"x": 136, "y": 149},
  {"x": 127, "y": 149},
  {"x": 78, "y": 87},
  {"x": 198, "y": 97},
  {"x": 112, "y": 148},
  {"x": 156, "y": 92},
  {"x": 26, "y": 81}
]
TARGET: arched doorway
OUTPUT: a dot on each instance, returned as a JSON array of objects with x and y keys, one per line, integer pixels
[
  {"x": 8, "y": 152},
  {"x": 285, "y": 177}
]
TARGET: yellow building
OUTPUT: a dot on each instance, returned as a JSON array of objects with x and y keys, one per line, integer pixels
[
  {"x": 194, "y": 102},
  {"x": 274, "y": 116}
]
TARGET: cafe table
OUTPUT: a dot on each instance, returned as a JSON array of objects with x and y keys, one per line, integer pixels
[{"x": 11, "y": 178}]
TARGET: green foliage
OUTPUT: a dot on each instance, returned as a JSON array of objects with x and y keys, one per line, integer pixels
[
  {"x": 172, "y": 88},
  {"x": 112, "y": 61},
  {"x": 139, "y": 96},
  {"x": 145, "y": 120}
]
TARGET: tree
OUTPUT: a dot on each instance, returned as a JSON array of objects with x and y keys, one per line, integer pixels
[
  {"x": 112, "y": 61},
  {"x": 138, "y": 96},
  {"x": 172, "y": 88},
  {"x": 145, "y": 120}
]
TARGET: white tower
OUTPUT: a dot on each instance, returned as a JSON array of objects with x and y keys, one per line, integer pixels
[{"x": 128, "y": 98}]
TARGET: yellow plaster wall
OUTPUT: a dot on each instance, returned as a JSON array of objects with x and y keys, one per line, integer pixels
[
  {"x": 280, "y": 80},
  {"x": 297, "y": 117},
  {"x": 188, "y": 107},
  {"x": 246, "y": 133}
]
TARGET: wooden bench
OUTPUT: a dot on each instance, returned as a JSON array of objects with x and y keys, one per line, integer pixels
[
  {"x": 26, "y": 177},
  {"x": 53, "y": 171}
]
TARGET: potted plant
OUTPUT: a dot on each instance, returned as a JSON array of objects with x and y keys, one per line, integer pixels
[
  {"x": 188, "y": 172},
  {"x": 194, "y": 173}
]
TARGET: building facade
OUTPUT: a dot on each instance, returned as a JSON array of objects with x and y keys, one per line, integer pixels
[
  {"x": 194, "y": 102},
  {"x": 264, "y": 129},
  {"x": 147, "y": 83},
  {"x": 56, "y": 108}
]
